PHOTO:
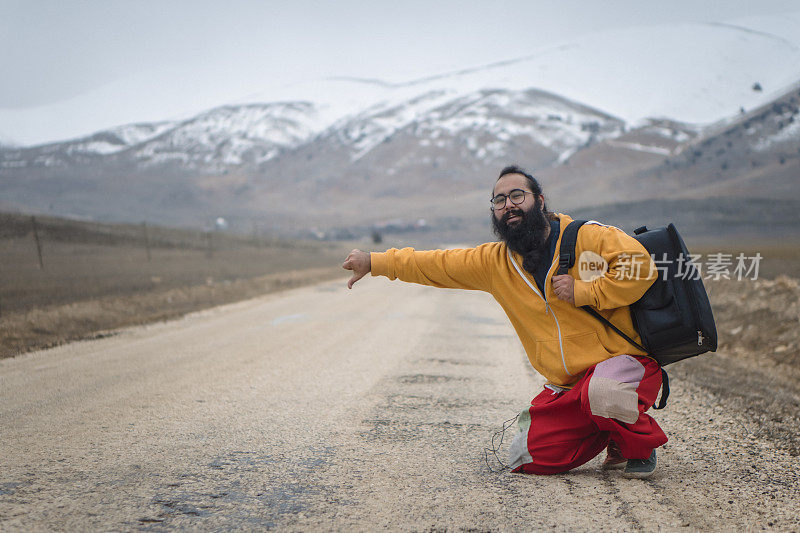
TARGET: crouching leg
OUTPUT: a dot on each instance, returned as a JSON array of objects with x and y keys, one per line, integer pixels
[
  {"x": 554, "y": 435},
  {"x": 616, "y": 396}
]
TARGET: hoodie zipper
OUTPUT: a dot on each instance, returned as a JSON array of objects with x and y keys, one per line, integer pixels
[{"x": 547, "y": 308}]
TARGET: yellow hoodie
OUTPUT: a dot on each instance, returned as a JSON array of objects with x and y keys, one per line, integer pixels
[{"x": 560, "y": 339}]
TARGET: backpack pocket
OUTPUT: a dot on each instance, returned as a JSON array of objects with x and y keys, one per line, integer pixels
[{"x": 658, "y": 310}]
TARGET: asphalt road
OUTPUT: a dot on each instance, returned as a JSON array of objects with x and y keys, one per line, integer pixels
[{"x": 323, "y": 408}]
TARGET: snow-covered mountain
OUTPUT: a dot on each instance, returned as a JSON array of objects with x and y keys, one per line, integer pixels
[
  {"x": 587, "y": 115},
  {"x": 213, "y": 141},
  {"x": 484, "y": 124},
  {"x": 497, "y": 114},
  {"x": 117, "y": 139},
  {"x": 695, "y": 73},
  {"x": 230, "y": 136},
  {"x": 753, "y": 155},
  {"x": 436, "y": 142},
  {"x": 90, "y": 148}
]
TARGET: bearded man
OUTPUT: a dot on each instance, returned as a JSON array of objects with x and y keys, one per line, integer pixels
[{"x": 598, "y": 385}]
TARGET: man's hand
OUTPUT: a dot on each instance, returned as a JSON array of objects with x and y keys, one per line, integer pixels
[
  {"x": 359, "y": 262},
  {"x": 564, "y": 287}
]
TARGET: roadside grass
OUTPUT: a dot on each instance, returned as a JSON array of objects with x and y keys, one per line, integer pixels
[
  {"x": 756, "y": 369},
  {"x": 98, "y": 278},
  {"x": 76, "y": 271},
  {"x": 777, "y": 258},
  {"x": 47, "y": 326}
]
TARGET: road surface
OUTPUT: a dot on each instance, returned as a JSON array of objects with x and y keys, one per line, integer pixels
[{"x": 323, "y": 408}]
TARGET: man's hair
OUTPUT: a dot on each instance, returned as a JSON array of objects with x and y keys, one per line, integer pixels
[{"x": 532, "y": 182}]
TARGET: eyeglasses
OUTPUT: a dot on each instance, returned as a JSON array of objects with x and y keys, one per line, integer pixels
[{"x": 517, "y": 196}]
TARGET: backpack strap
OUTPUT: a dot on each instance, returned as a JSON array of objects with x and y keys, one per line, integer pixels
[
  {"x": 566, "y": 252},
  {"x": 619, "y": 332},
  {"x": 664, "y": 390},
  {"x": 566, "y": 259},
  {"x": 664, "y": 376}
]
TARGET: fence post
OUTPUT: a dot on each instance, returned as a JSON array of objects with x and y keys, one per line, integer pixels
[
  {"x": 146, "y": 240},
  {"x": 209, "y": 249},
  {"x": 38, "y": 242}
]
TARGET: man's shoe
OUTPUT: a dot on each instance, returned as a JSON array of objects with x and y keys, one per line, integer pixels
[
  {"x": 641, "y": 468},
  {"x": 614, "y": 458}
]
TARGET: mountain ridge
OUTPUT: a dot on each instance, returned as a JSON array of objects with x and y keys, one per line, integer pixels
[{"x": 292, "y": 164}]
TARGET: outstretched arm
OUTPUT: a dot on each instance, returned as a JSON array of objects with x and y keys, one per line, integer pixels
[
  {"x": 468, "y": 268},
  {"x": 359, "y": 262}
]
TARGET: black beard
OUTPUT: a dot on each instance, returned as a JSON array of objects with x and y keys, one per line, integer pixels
[{"x": 526, "y": 237}]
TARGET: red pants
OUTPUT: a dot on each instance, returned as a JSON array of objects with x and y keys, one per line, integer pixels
[{"x": 564, "y": 429}]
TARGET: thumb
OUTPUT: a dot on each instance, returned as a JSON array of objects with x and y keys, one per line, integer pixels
[{"x": 356, "y": 277}]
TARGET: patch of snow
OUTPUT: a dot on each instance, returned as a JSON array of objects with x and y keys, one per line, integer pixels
[
  {"x": 94, "y": 147},
  {"x": 641, "y": 147},
  {"x": 681, "y": 136},
  {"x": 379, "y": 122},
  {"x": 47, "y": 161},
  {"x": 133, "y": 134},
  {"x": 669, "y": 133},
  {"x": 790, "y": 133},
  {"x": 500, "y": 117},
  {"x": 566, "y": 154},
  {"x": 229, "y": 135}
]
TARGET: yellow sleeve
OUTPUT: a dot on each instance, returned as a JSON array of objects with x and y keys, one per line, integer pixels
[
  {"x": 630, "y": 272},
  {"x": 452, "y": 269}
]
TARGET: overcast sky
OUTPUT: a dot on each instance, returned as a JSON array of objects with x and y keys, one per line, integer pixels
[{"x": 183, "y": 56}]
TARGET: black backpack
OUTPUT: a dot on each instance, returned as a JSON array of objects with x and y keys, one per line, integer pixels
[{"x": 673, "y": 317}]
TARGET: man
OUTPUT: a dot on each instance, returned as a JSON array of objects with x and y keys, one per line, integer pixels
[{"x": 598, "y": 386}]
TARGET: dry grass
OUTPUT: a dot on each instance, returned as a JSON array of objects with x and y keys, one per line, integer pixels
[
  {"x": 98, "y": 278},
  {"x": 82, "y": 271},
  {"x": 759, "y": 321},
  {"x": 44, "y": 327},
  {"x": 756, "y": 371},
  {"x": 778, "y": 258}
]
